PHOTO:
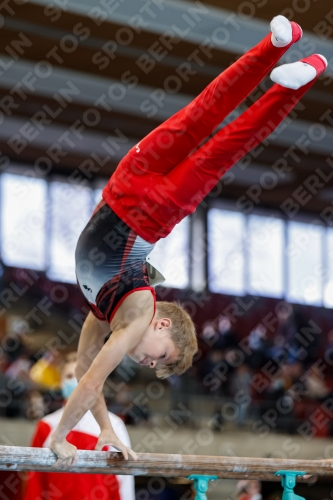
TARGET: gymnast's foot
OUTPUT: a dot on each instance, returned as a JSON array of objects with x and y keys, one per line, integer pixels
[
  {"x": 295, "y": 75},
  {"x": 284, "y": 32}
]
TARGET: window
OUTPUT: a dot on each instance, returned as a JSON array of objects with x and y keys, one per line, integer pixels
[
  {"x": 256, "y": 254},
  {"x": 226, "y": 230},
  {"x": 305, "y": 243},
  {"x": 171, "y": 255},
  {"x": 265, "y": 253},
  {"x": 71, "y": 208},
  {"x": 23, "y": 214},
  {"x": 328, "y": 275},
  {"x": 97, "y": 196}
]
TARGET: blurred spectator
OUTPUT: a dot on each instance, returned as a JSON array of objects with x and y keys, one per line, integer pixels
[
  {"x": 20, "y": 368},
  {"x": 84, "y": 435},
  {"x": 3, "y": 361},
  {"x": 240, "y": 391},
  {"x": 275, "y": 392},
  {"x": 212, "y": 365},
  {"x": 36, "y": 406},
  {"x": 257, "y": 337},
  {"x": 286, "y": 323},
  {"x": 256, "y": 344},
  {"x": 131, "y": 409},
  {"x": 248, "y": 490},
  {"x": 136, "y": 413},
  {"x": 226, "y": 338},
  {"x": 275, "y": 348},
  {"x": 315, "y": 384},
  {"x": 13, "y": 347},
  {"x": 15, "y": 380},
  {"x": 182, "y": 390},
  {"x": 209, "y": 332},
  {"x": 45, "y": 371},
  {"x": 296, "y": 371},
  {"x": 120, "y": 400},
  {"x": 307, "y": 344},
  {"x": 275, "y": 388},
  {"x": 329, "y": 350}
]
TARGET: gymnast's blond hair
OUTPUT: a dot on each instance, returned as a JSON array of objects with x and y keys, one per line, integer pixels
[{"x": 182, "y": 331}]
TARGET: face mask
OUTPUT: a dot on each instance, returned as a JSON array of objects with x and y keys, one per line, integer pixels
[{"x": 68, "y": 387}]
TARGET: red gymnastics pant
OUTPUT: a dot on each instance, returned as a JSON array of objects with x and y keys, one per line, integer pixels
[{"x": 164, "y": 178}]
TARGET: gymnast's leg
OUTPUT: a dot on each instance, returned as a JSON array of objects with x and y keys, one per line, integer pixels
[
  {"x": 198, "y": 174},
  {"x": 135, "y": 191},
  {"x": 167, "y": 145}
]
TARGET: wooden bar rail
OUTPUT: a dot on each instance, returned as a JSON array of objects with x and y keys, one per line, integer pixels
[{"x": 18, "y": 458}]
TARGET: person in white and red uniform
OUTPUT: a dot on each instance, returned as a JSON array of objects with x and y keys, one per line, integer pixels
[{"x": 50, "y": 485}]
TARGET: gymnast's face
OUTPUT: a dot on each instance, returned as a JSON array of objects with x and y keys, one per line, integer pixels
[{"x": 156, "y": 346}]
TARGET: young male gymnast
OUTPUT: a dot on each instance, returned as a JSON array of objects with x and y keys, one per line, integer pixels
[{"x": 158, "y": 183}]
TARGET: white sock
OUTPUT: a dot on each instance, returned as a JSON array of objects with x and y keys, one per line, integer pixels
[
  {"x": 294, "y": 75},
  {"x": 281, "y": 31}
]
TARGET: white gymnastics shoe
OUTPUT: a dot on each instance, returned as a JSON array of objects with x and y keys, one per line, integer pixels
[
  {"x": 284, "y": 32},
  {"x": 297, "y": 74}
]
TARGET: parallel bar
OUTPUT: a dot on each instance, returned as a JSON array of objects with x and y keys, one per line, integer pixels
[{"x": 149, "y": 464}]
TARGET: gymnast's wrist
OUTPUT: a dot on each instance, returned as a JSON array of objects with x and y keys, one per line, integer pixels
[
  {"x": 106, "y": 427},
  {"x": 58, "y": 437}
]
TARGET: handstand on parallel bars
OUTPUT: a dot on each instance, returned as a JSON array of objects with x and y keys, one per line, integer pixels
[{"x": 198, "y": 467}]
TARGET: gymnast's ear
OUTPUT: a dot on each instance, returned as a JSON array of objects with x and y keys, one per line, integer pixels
[{"x": 164, "y": 323}]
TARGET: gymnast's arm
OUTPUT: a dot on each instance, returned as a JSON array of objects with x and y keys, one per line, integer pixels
[
  {"x": 88, "y": 391},
  {"x": 89, "y": 346}
]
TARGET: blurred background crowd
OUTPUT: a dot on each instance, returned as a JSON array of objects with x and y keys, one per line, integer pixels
[{"x": 237, "y": 378}]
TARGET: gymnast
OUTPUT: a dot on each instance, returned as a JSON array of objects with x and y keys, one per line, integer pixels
[{"x": 159, "y": 182}]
